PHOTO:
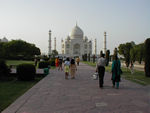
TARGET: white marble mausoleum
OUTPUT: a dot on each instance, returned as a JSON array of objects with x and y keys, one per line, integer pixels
[{"x": 76, "y": 44}]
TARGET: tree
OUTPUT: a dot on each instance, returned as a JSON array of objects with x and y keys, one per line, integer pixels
[
  {"x": 124, "y": 49},
  {"x": 19, "y": 48},
  {"x": 140, "y": 52},
  {"x": 133, "y": 54},
  {"x": 4, "y": 70},
  {"x": 147, "y": 57},
  {"x": 2, "y": 51},
  {"x": 54, "y": 53},
  {"x": 107, "y": 57}
]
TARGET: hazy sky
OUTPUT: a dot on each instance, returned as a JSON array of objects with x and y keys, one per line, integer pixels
[{"x": 30, "y": 20}]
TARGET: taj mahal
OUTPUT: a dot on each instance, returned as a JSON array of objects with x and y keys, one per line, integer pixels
[{"x": 76, "y": 44}]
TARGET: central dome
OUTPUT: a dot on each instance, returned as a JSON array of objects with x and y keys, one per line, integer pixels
[{"x": 76, "y": 32}]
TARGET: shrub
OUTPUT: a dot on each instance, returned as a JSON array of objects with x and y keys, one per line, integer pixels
[
  {"x": 26, "y": 72},
  {"x": 4, "y": 70},
  {"x": 147, "y": 57},
  {"x": 44, "y": 64},
  {"x": 52, "y": 62}
]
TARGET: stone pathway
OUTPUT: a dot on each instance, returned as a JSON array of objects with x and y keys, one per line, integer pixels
[{"x": 54, "y": 94}]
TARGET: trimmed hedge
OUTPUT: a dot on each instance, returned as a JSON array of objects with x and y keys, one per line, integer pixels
[
  {"x": 52, "y": 62},
  {"x": 4, "y": 70},
  {"x": 26, "y": 72},
  {"x": 44, "y": 64}
]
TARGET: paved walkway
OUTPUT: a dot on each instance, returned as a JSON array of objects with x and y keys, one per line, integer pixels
[{"x": 54, "y": 94}]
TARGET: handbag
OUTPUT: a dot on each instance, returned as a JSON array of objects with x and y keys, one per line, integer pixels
[{"x": 95, "y": 76}]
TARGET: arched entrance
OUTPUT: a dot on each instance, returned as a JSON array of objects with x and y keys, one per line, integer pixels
[{"x": 76, "y": 49}]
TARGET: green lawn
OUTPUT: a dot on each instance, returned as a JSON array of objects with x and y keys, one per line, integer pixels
[
  {"x": 17, "y": 62},
  {"x": 11, "y": 90},
  {"x": 138, "y": 76}
]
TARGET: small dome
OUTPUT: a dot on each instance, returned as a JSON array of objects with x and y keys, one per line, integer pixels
[
  {"x": 4, "y": 39},
  {"x": 76, "y": 32}
]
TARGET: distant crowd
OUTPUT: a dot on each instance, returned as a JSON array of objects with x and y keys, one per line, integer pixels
[
  {"x": 69, "y": 65},
  {"x": 70, "y": 68}
]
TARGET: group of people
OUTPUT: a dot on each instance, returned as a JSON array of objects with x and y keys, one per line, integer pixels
[
  {"x": 58, "y": 63},
  {"x": 116, "y": 71},
  {"x": 70, "y": 67}
]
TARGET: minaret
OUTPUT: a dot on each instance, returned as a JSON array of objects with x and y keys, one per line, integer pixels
[
  {"x": 62, "y": 46},
  {"x": 49, "y": 47},
  {"x": 105, "y": 43},
  {"x": 55, "y": 43},
  {"x": 95, "y": 47}
]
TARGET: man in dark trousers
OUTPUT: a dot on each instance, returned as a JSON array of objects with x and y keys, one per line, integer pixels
[{"x": 100, "y": 68}]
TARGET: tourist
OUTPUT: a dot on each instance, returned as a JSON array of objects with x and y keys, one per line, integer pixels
[
  {"x": 60, "y": 64},
  {"x": 100, "y": 68},
  {"x": 73, "y": 69},
  {"x": 116, "y": 72},
  {"x": 78, "y": 60},
  {"x": 67, "y": 66},
  {"x": 57, "y": 62}
]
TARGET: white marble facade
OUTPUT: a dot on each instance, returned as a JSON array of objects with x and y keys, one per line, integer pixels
[{"x": 76, "y": 44}]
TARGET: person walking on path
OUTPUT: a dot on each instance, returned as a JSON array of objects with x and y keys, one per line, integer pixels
[
  {"x": 78, "y": 60},
  {"x": 56, "y": 62},
  {"x": 67, "y": 66},
  {"x": 73, "y": 69},
  {"x": 116, "y": 72},
  {"x": 60, "y": 64},
  {"x": 100, "y": 68}
]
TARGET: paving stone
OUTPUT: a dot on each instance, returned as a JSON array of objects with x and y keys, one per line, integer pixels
[{"x": 102, "y": 104}]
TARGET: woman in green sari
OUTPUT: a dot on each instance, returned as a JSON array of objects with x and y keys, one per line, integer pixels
[{"x": 116, "y": 65}]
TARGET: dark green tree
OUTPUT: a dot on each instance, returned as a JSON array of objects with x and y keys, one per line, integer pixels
[
  {"x": 4, "y": 70},
  {"x": 140, "y": 52},
  {"x": 147, "y": 57},
  {"x": 19, "y": 48},
  {"x": 133, "y": 54},
  {"x": 2, "y": 50},
  {"x": 54, "y": 53},
  {"x": 124, "y": 49}
]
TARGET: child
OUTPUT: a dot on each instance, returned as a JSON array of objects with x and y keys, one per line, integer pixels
[{"x": 67, "y": 66}]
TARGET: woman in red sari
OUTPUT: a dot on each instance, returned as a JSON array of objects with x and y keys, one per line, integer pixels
[{"x": 56, "y": 62}]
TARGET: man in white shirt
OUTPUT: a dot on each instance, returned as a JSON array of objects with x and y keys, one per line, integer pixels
[{"x": 100, "y": 68}]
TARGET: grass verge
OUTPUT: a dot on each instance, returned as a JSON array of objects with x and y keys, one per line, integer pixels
[
  {"x": 11, "y": 90},
  {"x": 17, "y": 62},
  {"x": 137, "y": 76}
]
